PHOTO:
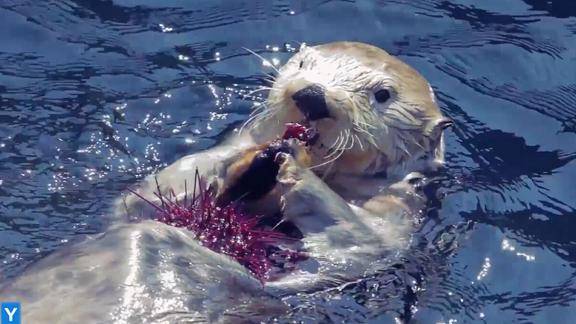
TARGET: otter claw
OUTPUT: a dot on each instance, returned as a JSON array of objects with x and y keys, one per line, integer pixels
[{"x": 281, "y": 157}]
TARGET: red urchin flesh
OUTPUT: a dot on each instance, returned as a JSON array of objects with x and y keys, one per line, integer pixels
[{"x": 300, "y": 132}]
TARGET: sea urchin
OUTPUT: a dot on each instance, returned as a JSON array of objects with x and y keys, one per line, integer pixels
[{"x": 228, "y": 229}]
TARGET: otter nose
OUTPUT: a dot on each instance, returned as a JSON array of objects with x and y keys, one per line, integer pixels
[{"x": 311, "y": 102}]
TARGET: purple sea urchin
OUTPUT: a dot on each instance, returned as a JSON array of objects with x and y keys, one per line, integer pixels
[{"x": 227, "y": 230}]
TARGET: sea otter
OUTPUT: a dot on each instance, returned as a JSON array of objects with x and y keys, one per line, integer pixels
[
  {"x": 376, "y": 119},
  {"x": 351, "y": 191}
]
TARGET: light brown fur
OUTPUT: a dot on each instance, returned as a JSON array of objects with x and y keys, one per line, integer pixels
[{"x": 377, "y": 137}]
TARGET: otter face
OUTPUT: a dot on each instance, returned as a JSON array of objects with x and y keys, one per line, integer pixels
[{"x": 371, "y": 110}]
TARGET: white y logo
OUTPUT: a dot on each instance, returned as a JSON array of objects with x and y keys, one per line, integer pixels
[{"x": 10, "y": 313}]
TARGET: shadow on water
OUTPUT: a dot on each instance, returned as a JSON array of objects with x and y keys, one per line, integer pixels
[
  {"x": 94, "y": 95},
  {"x": 556, "y": 8}
]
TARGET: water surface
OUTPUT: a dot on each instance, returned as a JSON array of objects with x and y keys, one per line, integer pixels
[{"x": 96, "y": 94}]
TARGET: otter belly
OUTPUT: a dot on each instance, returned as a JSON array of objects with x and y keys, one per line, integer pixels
[{"x": 140, "y": 272}]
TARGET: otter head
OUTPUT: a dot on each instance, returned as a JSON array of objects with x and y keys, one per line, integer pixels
[{"x": 372, "y": 111}]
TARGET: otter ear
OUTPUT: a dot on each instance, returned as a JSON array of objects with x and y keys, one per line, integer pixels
[
  {"x": 444, "y": 123},
  {"x": 436, "y": 127},
  {"x": 439, "y": 125}
]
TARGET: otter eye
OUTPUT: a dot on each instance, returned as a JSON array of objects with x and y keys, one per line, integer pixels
[
  {"x": 382, "y": 95},
  {"x": 301, "y": 64}
]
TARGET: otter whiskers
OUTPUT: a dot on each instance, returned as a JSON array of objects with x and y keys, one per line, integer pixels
[
  {"x": 260, "y": 89},
  {"x": 265, "y": 61},
  {"x": 340, "y": 146},
  {"x": 260, "y": 114}
]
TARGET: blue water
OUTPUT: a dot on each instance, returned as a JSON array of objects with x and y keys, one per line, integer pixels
[{"x": 96, "y": 94}]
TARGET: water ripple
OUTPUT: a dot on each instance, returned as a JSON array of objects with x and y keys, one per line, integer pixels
[{"x": 95, "y": 95}]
